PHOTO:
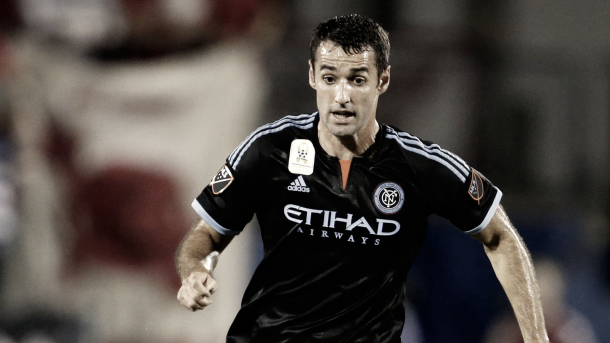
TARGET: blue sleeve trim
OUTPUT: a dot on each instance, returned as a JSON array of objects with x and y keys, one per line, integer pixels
[
  {"x": 489, "y": 216},
  {"x": 214, "y": 224}
]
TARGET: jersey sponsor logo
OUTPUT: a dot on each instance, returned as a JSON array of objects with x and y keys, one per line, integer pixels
[
  {"x": 298, "y": 185},
  {"x": 333, "y": 220},
  {"x": 222, "y": 180},
  {"x": 302, "y": 157},
  {"x": 476, "y": 190},
  {"x": 340, "y": 236},
  {"x": 389, "y": 197}
]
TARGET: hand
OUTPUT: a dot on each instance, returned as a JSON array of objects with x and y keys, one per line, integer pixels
[{"x": 196, "y": 291}]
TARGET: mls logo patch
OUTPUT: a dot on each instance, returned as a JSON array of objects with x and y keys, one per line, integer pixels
[
  {"x": 389, "y": 197},
  {"x": 222, "y": 180},
  {"x": 476, "y": 189},
  {"x": 302, "y": 157}
]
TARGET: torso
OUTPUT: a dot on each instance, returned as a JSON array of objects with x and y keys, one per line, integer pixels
[
  {"x": 332, "y": 257},
  {"x": 337, "y": 254}
]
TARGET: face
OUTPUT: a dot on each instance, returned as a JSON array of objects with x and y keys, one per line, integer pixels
[{"x": 347, "y": 89}]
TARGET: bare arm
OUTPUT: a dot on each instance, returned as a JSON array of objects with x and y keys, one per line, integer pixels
[
  {"x": 197, "y": 282},
  {"x": 513, "y": 266}
]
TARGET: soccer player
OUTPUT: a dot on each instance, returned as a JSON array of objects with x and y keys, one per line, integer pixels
[{"x": 342, "y": 202}]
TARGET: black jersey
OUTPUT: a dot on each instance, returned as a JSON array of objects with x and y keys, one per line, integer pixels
[{"x": 335, "y": 260}]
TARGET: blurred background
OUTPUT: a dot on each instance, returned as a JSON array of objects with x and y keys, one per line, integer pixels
[{"x": 114, "y": 114}]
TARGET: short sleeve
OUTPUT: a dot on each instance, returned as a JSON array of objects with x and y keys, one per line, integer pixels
[
  {"x": 461, "y": 194},
  {"x": 227, "y": 203},
  {"x": 475, "y": 203}
]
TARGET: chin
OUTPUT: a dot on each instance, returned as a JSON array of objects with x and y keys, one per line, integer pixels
[{"x": 342, "y": 132}]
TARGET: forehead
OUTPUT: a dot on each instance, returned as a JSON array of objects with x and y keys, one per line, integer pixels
[{"x": 329, "y": 53}]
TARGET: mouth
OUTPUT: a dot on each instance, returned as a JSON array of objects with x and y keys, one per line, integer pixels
[{"x": 343, "y": 115}]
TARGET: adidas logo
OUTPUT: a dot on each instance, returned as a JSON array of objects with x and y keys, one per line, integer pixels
[{"x": 298, "y": 185}]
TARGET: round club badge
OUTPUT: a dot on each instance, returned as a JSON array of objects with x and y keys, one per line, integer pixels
[{"x": 389, "y": 197}]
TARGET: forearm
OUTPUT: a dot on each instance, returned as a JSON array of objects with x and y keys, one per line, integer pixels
[
  {"x": 513, "y": 267},
  {"x": 193, "y": 249}
]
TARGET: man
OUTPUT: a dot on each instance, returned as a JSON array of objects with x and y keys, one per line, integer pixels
[{"x": 343, "y": 203}]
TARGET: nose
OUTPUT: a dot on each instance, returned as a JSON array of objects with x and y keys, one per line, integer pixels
[{"x": 342, "y": 97}]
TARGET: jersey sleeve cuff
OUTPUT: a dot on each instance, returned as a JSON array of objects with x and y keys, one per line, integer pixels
[
  {"x": 490, "y": 214},
  {"x": 208, "y": 219}
]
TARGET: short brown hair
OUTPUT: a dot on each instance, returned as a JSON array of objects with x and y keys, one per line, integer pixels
[{"x": 354, "y": 34}]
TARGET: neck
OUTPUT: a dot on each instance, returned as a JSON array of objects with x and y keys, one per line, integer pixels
[{"x": 347, "y": 147}]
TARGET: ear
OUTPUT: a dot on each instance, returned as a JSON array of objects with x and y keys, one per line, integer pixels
[
  {"x": 384, "y": 80},
  {"x": 312, "y": 78}
]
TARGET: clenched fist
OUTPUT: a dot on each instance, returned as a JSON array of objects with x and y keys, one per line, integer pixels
[{"x": 196, "y": 290}]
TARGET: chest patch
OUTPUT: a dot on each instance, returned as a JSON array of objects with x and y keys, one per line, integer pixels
[
  {"x": 302, "y": 157},
  {"x": 389, "y": 197}
]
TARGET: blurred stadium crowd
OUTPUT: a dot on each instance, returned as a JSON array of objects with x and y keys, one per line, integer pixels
[{"x": 114, "y": 114}]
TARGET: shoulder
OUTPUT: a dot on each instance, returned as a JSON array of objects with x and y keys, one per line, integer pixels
[
  {"x": 424, "y": 154},
  {"x": 272, "y": 134}
]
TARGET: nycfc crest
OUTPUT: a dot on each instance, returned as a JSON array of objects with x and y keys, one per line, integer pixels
[
  {"x": 302, "y": 157},
  {"x": 389, "y": 197}
]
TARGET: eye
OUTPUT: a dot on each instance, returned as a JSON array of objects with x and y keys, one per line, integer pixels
[
  {"x": 328, "y": 79},
  {"x": 359, "y": 81}
]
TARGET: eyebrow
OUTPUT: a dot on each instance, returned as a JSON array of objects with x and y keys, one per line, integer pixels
[
  {"x": 354, "y": 70},
  {"x": 326, "y": 66},
  {"x": 358, "y": 70}
]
